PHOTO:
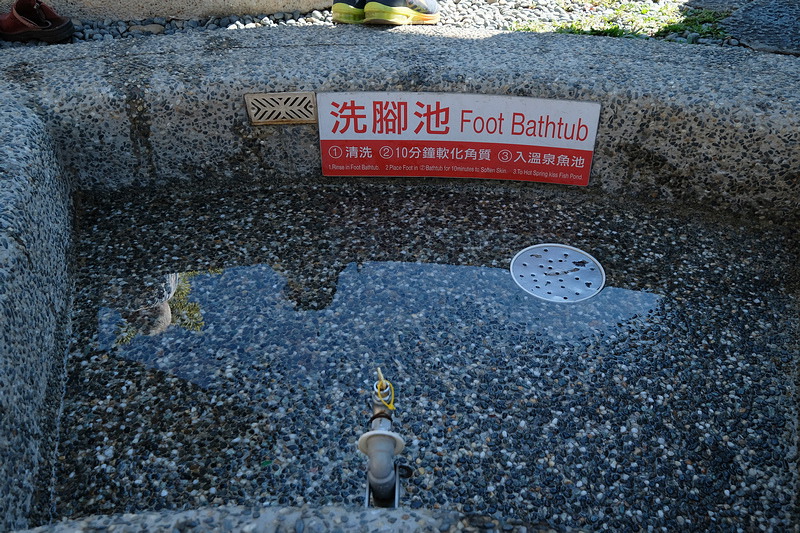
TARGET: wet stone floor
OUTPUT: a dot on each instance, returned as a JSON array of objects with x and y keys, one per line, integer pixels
[{"x": 225, "y": 343}]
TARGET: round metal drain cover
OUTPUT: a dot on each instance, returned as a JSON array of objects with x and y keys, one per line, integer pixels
[{"x": 558, "y": 273}]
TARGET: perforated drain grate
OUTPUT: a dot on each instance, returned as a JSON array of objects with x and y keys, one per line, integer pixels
[
  {"x": 281, "y": 108},
  {"x": 558, "y": 273}
]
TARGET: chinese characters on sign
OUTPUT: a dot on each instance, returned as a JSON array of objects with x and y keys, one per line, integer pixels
[{"x": 457, "y": 135}]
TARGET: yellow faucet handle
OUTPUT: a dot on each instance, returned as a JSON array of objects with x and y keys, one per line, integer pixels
[{"x": 382, "y": 384}]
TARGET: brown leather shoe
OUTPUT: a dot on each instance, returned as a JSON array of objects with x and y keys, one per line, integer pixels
[{"x": 31, "y": 19}]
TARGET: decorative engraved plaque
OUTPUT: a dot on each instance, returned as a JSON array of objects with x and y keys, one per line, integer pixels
[{"x": 281, "y": 108}]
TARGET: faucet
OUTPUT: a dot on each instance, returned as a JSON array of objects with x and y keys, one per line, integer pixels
[{"x": 381, "y": 444}]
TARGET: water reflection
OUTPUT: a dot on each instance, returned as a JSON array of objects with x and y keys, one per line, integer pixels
[
  {"x": 245, "y": 324},
  {"x": 143, "y": 305}
]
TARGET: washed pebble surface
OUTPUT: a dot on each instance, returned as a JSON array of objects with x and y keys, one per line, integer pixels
[
  {"x": 644, "y": 17},
  {"x": 665, "y": 403}
]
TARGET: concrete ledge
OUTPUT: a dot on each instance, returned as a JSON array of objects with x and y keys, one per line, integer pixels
[
  {"x": 35, "y": 297},
  {"x": 268, "y": 520},
  {"x": 706, "y": 125}
]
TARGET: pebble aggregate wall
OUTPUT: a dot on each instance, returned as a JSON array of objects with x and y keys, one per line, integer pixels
[
  {"x": 35, "y": 296},
  {"x": 701, "y": 125},
  {"x": 711, "y": 126},
  {"x": 267, "y": 520}
]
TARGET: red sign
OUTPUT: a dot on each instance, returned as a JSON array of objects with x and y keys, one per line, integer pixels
[{"x": 457, "y": 135}]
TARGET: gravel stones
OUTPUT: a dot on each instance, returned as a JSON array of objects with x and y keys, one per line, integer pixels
[
  {"x": 669, "y": 404},
  {"x": 545, "y": 15},
  {"x": 154, "y": 29}
]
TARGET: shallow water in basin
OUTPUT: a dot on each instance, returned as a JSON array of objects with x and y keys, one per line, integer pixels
[{"x": 668, "y": 400}]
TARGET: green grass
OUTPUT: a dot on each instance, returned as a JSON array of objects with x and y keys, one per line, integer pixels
[
  {"x": 631, "y": 19},
  {"x": 703, "y": 22},
  {"x": 611, "y": 31}
]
